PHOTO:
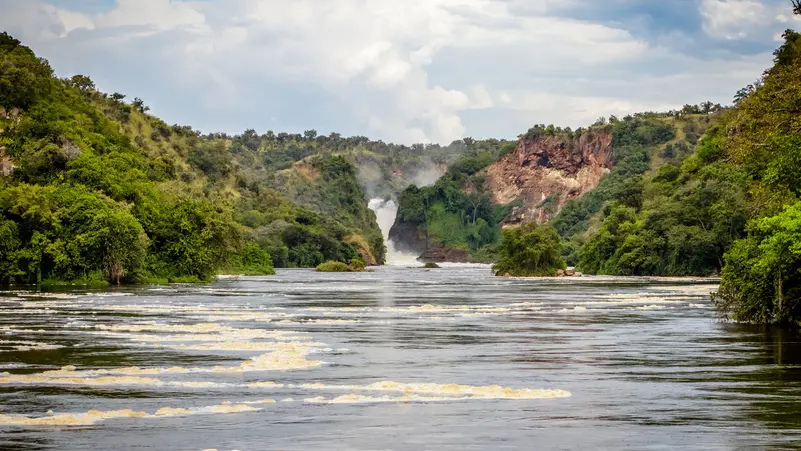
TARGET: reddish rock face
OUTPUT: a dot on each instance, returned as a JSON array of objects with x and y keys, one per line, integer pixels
[
  {"x": 6, "y": 164},
  {"x": 545, "y": 172}
]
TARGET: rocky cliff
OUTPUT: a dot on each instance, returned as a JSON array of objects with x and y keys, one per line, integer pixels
[
  {"x": 409, "y": 238},
  {"x": 545, "y": 172}
]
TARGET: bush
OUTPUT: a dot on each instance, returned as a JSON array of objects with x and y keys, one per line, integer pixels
[
  {"x": 251, "y": 260},
  {"x": 431, "y": 265},
  {"x": 357, "y": 265},
  {"x": 530, "y": 250},
  {"x": 332, "y": 266}
]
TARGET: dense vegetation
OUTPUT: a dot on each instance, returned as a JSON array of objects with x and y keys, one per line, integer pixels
[
  {"x": 761, "y": 140},
  {"x": 643, "y": 219},
  {"x": 730, "y": 208},
  {"x": 103, "y": 192},
  {"x": 530, "y": 250},
  {"x": 355, "y": 265}
]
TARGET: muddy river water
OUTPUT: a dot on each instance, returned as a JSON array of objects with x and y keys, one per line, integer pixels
[{"x": 400, "y": 358}]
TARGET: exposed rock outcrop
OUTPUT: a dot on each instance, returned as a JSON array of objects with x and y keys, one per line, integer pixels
[
  {"x": 409, "y": 239},
  {"x": 449, "y": 255},
  {"x": 569, "y": 272},
  {"x": 545, "y": 172},
  {"x": 444, "y": 254},
  {"x": 6, "y": 163}
]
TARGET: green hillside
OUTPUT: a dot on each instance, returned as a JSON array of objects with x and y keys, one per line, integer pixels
[
  {"x": 95, "y": 190},
  {"x": 731, "y": 208},
  {"x": 648, "y": 149}
]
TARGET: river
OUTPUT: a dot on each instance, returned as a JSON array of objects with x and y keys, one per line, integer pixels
[{"x": 399, "y": 358}]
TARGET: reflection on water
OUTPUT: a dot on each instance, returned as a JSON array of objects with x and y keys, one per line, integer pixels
[{"x": 396, "y": 359}]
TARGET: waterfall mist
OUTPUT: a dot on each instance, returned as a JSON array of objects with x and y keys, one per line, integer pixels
[{"x": 386, "y": 211}]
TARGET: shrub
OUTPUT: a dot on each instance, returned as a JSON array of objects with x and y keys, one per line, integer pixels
[
  {"x": 530, "y": 250},
  {"x": 357, "y": 265},
  {"x": 332, "y": 266}
]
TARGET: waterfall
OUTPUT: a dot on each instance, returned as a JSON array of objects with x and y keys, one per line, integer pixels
[{"x": 386, "y": 211}]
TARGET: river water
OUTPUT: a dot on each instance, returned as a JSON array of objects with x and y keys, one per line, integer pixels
[{"x": 400, "y": 358}]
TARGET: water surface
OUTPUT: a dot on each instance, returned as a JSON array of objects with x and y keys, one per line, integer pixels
[{"x": 396, "y": 359}]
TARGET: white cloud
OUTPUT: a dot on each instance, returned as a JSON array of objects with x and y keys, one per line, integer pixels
[
  {"x": 74, "y": 21},
  {"x": 384, "y": 47},
  {"x": 733, "y": 19},
  {"x": 158, "y": 15},
  {"x": 481, "y": 98},
  {"x": 417, "y": 70}
]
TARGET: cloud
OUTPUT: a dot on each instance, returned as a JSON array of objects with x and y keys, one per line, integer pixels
[
  {"x": 732, "y": 19},
  {"x": 74, "y": 21},
  {"x": 412, "y": 71},
  {"x": 157, "y": 15}
]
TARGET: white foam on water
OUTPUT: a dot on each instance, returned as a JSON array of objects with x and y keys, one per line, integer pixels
[
  {"x": 651, "y": 307},
  {"x": 25, "y": 346},
  {"x": 62, "y": 378},
  {"x": 471, "y": 391},
  {"x": 318, "y": 322},
  {"x": 95, "y": 416},
  {"x": 486, "y": 266},
  {"x": 361, "y": 399}
]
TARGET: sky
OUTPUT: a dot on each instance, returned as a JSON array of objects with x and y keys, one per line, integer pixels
[{"x": 405, "y": 71}]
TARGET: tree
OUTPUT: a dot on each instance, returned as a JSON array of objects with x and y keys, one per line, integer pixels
[
  {"x": 139, "y": 104},
  {"x": 82, "y": 83},
  {"x": 24, "y": 79},
  {"x": 530, "y": 250},
  {"x": 8, "y": 43},
  {"x": 761, "y": 281},
  {"x": 117, "y": 240}
]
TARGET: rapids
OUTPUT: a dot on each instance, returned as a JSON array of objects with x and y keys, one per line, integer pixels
[{"x": 395, "y": 359}]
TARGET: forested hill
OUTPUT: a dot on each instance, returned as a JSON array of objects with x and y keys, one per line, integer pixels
[
  {"x": 95, "y": 190},
  {"x": 731, "y": 208}
]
